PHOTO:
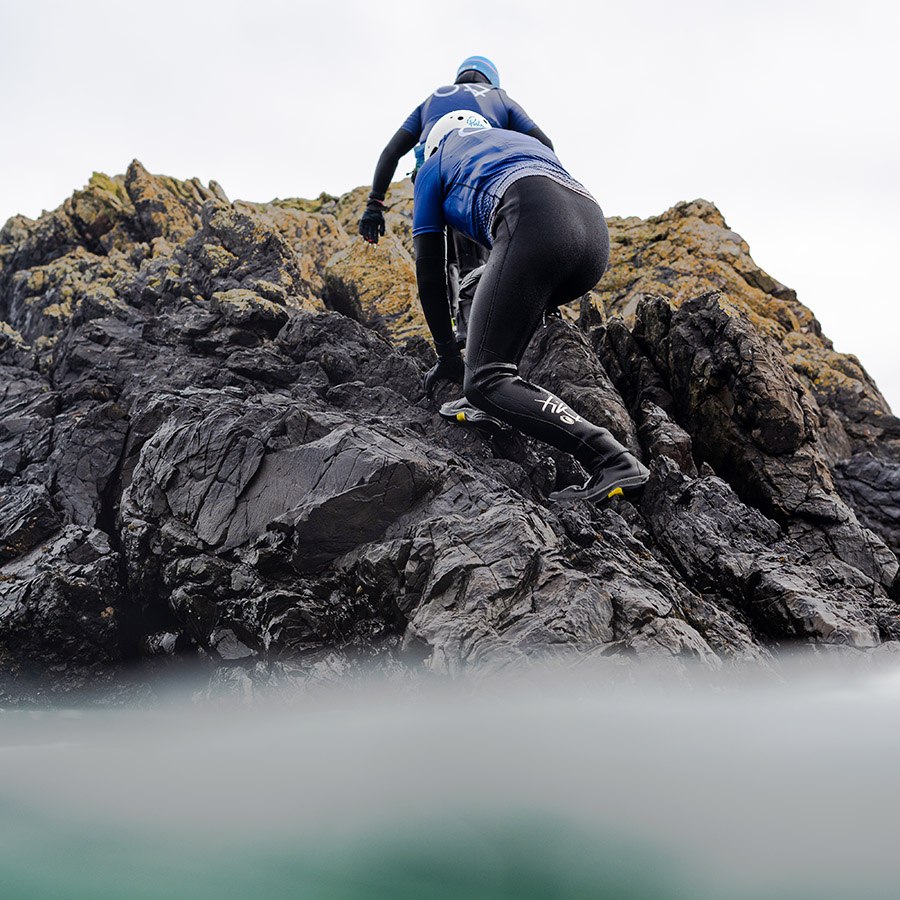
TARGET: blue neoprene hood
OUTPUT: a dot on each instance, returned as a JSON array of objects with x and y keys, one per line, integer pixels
[{"x": 480, "y": 64}]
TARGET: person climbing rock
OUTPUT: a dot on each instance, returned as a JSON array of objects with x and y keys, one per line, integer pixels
[
  {"x": 549, "y": 244},
  {"x": 477, "y": 88}
]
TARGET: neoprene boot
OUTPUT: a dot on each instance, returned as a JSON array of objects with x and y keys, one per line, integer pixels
[
  {"x": 614, "y": 472},
  {"x": 464, "y": 412}
]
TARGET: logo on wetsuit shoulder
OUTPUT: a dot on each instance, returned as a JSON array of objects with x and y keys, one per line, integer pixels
[{"x": 557, "y": 407}]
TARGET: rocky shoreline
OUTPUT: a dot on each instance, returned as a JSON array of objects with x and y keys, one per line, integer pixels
[{"x": 214, "y": 446}]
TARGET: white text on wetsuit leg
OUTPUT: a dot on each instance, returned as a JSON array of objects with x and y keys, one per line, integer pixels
[{"x": 559, "y": 408}]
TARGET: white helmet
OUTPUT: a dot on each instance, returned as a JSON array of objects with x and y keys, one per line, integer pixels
[{"x": 459, "y": 118}]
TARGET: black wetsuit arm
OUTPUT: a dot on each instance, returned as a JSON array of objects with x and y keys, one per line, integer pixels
[
  {"x": 519, "y": 120},
  {"x": 431, "y": 277},
  {"x": 537, "y": 133},
  {"x": 399, "y": 145}
]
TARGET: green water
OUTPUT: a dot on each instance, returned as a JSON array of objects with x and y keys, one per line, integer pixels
[
  {"x": 42, "y": 860},
  {"x": 787, "y": 792}
]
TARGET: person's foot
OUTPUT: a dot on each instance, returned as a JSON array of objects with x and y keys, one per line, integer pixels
[
  {"x": 463, "y": 412},
  {"x": 623, "y": 476}
]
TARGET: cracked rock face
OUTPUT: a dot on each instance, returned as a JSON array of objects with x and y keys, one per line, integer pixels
[{"x": 214, "y": 448}]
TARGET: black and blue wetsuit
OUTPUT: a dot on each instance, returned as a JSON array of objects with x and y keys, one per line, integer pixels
[
  {"x": 491, "y": 102},
  {"x": 549, "y": 243},
  {"x": 470, "y": 91}
]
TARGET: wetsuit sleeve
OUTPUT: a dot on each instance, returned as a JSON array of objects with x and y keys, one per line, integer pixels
[
  {"x": 430, "y": 247},
  {"x": 537, "y": 133},
  {"x": 428, "y": 200},
  {"x": 431, "y": 277},
  {"x": 518, "y": 120},
  {"x": 401, "y": 143},
  {"x": 413, "y": 123}
]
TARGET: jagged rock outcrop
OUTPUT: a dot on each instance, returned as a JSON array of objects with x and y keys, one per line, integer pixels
[
  {"x": 214, "y": 447},
  {"x": 689, "y": 251}
]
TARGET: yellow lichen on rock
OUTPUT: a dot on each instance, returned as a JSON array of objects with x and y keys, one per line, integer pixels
[
  {"x": 688, "y": 251},
  {"x": 165, "y": 207},
  {"x": 8, "y": 333},
  {"x": 381, "y": 278},
  {"x": 241, "y": 305},
  {"x": 384, "y": 278},
  {"x": 314, "y": 237}
]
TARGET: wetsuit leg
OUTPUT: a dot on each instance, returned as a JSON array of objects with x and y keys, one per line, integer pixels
[
  {"x": 453, "y": 274},
  {"x": 469, "y": 254},
  {"x": 463, "y": 255},
  {"x": 550, "y": 245}
]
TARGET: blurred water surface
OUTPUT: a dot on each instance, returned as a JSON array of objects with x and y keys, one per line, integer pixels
[{"x": 552, "y": 785}]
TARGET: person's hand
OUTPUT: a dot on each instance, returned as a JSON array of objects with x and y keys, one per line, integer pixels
[
  {"x": 371, "y": 225},
  {"x": 449, "y": 366}
]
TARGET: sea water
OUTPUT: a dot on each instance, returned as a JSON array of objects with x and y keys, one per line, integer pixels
[{"x": 552, "y": 785}]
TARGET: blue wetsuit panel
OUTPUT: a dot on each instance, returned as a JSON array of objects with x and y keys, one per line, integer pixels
[
  {"x": 464, "y": 181},
  {"x": 493, "y": 103}
]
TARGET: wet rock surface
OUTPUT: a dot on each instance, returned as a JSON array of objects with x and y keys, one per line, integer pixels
[{"x": 215, "y": 450}]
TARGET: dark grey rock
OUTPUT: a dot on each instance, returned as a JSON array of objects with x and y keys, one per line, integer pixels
[
  {"x": 27, "y": 516},
  {"x": 88, "y": 444},
  {"x": 27, "y": 408},
  {"x": 749, "y": 415},
  {"x": 872, "y": 487},
  {"x": 663, "y": 437},
  {"x": 60, "y": 606},
  {"x": 721, "y": 545}
]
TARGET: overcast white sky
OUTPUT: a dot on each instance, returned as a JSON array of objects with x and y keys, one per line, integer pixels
[{"x": 782, "y": 112}]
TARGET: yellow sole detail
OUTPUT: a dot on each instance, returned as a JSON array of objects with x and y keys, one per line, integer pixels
[
  {"x": 460, "y": 417},
  {"x": 615, "y": 492}
]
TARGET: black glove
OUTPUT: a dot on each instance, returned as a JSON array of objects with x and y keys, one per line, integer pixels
[
  {"x": 372, "y": 222},
  {"x": 449, "y": 366}
]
